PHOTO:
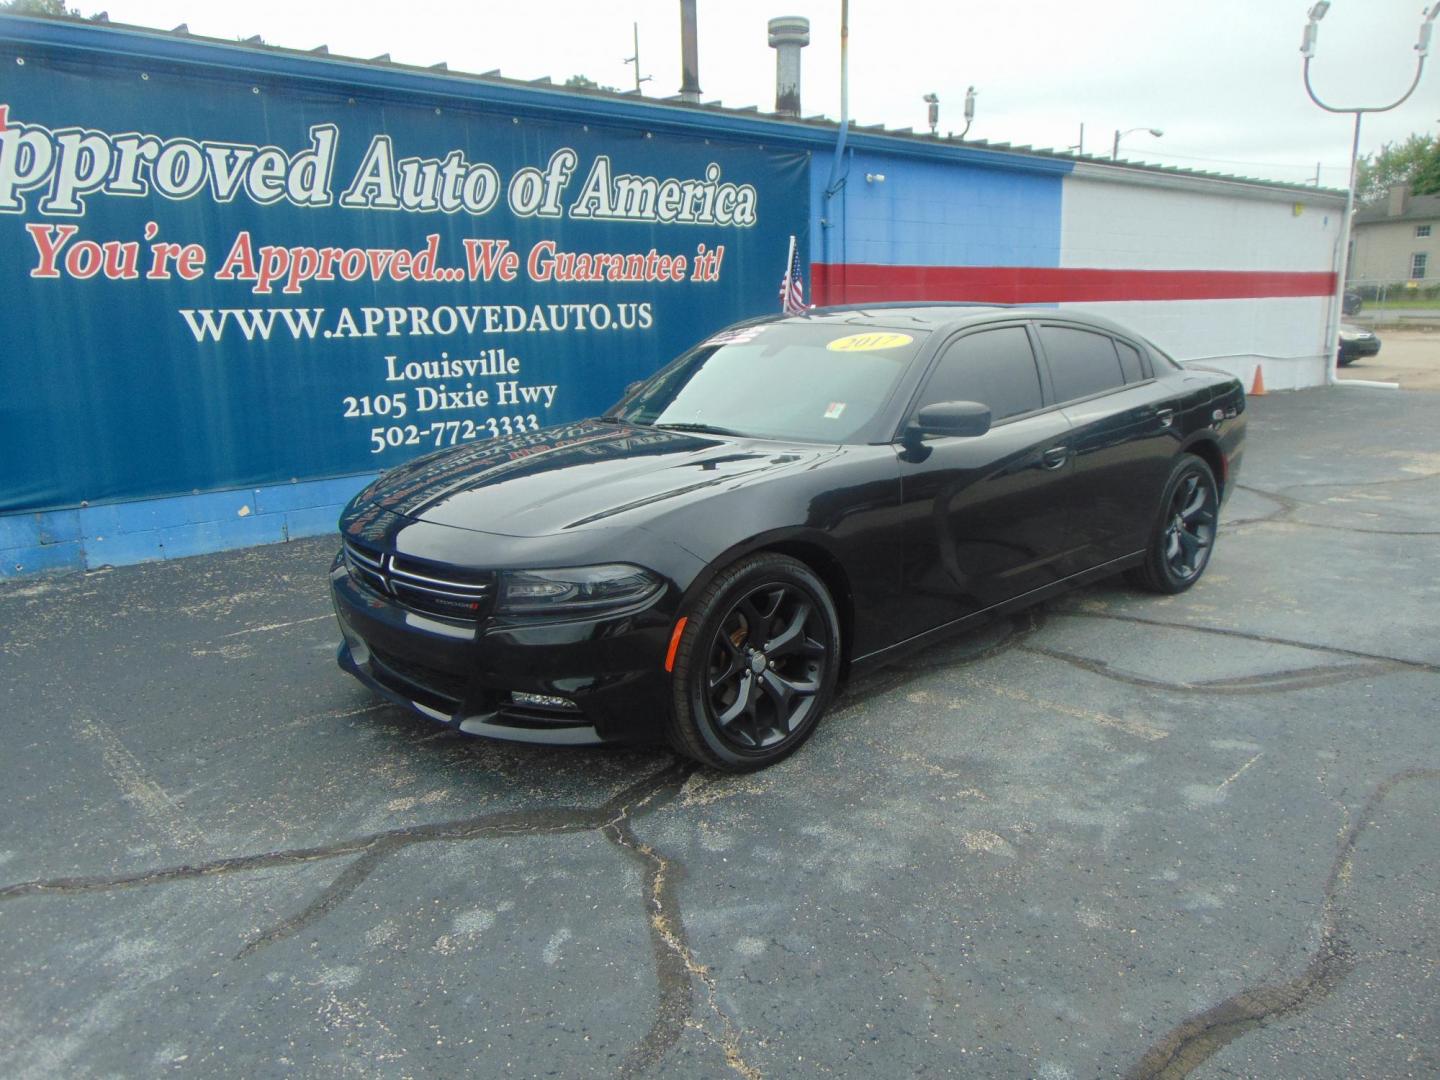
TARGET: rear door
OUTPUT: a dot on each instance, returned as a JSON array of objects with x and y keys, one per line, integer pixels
[
  {"x": 1123, "y": 426},
  {"x": 985, "y": 517}
]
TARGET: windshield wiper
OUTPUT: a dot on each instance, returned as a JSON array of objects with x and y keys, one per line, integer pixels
[{"x": 704, "y": 429}]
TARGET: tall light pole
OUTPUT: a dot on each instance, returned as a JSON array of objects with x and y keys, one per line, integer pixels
[
  {"x": 1307, "y": 50},
  {"x": 1115, "y": 148}
]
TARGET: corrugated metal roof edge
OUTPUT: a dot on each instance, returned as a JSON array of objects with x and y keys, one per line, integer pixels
[{"x": 438, "y": 81}]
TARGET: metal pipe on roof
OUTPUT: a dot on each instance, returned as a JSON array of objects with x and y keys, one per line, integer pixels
[
  {"x": 837, "y": 179},
  {"x": 788, "y": 35},
  {"x": 689, "y": 53}
]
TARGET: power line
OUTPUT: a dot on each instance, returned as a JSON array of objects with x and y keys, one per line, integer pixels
[{"x": 1150, "y": 152}]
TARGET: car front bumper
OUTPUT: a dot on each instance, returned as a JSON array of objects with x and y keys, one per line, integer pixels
[
  {"x": 608, "y": 668},
  {"x": 1350, "y": 350}
]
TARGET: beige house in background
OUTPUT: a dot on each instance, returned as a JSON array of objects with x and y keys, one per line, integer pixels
[{"x": 1397, "y": 241}]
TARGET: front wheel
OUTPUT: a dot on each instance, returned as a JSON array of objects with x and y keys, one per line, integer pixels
[
  {"x": 1184, "y": 536},
  {"x": 756, "y": 666}
]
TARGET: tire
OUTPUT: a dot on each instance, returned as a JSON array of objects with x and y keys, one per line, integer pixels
[
  {"x": 1183, "y": 536},
  {"x": 1345, "y": 361},
  {"x": 756, "y": 666}
]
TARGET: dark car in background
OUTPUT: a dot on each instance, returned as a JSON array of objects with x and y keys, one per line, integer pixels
[
  {"x": 1351, "y": 303},
  {"x": 1355, "y": 342},
  {"x": 792, "y": 499}
]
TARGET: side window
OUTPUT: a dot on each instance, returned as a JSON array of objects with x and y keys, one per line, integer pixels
[
  {"x": 1081, "y": 363},
  {"x": 994, "y": 367},
  {"x": 1130, "y": 362}
]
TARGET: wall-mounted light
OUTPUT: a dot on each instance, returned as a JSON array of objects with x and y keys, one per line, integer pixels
[{"x": 874, "y": 178}]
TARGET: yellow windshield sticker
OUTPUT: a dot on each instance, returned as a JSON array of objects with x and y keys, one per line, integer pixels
[{"x": 869, "y": 342}]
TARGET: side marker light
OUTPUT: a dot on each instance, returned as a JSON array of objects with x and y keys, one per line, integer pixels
[{"x": 675, "y": 643}]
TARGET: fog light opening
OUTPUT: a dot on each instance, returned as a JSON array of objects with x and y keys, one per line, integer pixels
[{"x": 542, "y": 701}]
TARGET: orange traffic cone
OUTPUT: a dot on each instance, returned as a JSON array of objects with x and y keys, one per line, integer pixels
[{"x": 1257, "y": 388}]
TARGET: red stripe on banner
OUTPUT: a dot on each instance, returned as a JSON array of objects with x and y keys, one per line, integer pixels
[{"x": 849, "y": 283}]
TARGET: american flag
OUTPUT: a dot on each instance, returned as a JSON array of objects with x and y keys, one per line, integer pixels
[{"x": 792, "y": 285}]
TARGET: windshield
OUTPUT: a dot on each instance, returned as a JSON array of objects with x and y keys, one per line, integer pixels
[{"x": 818, "y": 382}]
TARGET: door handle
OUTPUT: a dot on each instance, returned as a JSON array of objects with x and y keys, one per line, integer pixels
[
  {"x": 1055, "y": 457},
  {"x": 1165, "y": 416}
]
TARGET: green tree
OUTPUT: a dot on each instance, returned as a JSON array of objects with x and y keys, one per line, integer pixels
[
  {"x": 1426, "y": 180},
  {"x": 581, "y": 82},
  {"x": 37, "y": 7},
  {"x": 1416, "y": 162}
]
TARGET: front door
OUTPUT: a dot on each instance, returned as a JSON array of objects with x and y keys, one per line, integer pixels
[{"x": 987, "y": 517}]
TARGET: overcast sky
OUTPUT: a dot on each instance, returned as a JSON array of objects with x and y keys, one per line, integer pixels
[{"x": 1221, "y": 78}]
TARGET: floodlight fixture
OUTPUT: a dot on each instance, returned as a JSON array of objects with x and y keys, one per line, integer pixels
[
  {"x": 970, "y": 108},
  {"x": 1422, "y": 46},
  {"x": 1312, "y": 28}
]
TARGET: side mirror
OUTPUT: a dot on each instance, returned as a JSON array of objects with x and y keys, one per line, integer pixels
[{"x": 963, "y": 418}]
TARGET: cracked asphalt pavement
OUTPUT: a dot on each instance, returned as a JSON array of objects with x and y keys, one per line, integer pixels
[{"x": 1119, "y": 835}]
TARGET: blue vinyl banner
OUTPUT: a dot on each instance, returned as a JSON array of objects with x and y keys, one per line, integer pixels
[{"x": 210, "y": 283}]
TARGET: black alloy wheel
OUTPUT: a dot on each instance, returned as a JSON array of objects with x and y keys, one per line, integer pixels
[
  {"x": 1184, "y": 536},
  {"x": 757, "y": 664}
]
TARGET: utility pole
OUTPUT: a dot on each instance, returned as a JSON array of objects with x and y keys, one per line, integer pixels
[{"x": 636, "y": 59}]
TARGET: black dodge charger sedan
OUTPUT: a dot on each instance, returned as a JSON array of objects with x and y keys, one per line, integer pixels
[{"x": 791, "y": 499}]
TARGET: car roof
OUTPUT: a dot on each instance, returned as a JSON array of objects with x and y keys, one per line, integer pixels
[{"x": 945, "y": 315}]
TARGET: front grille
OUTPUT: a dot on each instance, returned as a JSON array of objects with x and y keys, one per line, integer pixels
[
  {"x": 431, "y": 588},
  {"x": 365, "y": 567}
]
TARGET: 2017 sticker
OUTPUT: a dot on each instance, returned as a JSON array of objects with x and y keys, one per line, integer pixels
[{"x": 869, "y": 342}]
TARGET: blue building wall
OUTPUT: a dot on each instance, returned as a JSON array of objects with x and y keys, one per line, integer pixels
[
  {"x": 934, "y": 213},
  {"x": 147, "y": 530}
]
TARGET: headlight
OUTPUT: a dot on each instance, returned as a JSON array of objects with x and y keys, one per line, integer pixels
[{"x": 577, "y": 588}]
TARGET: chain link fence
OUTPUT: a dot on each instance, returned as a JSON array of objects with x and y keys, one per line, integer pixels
[{"x": 1391, "y": 293}]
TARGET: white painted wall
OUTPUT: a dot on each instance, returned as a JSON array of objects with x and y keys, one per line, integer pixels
[
  {"x": 1124, "y": 222},
  {"x": 1286, "y": 335}
]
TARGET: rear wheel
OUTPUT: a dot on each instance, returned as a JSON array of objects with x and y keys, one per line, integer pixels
[
  {"x": 1184, "y": 536},
  {"x": 756, "y": 666}
]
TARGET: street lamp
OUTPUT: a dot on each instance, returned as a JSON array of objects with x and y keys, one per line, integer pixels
[
  {"x": 1115, "y": 150},
  {"x": 1307, "y": 50}
]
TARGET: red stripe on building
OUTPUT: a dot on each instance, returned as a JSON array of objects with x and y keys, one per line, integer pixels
[{"x": 848, "y": 283}]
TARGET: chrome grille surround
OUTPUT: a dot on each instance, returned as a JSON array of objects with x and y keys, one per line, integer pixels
[{"x": 429, "y": 588}]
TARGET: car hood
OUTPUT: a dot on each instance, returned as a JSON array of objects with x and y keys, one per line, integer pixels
[{"x": 580, "y": 475}]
